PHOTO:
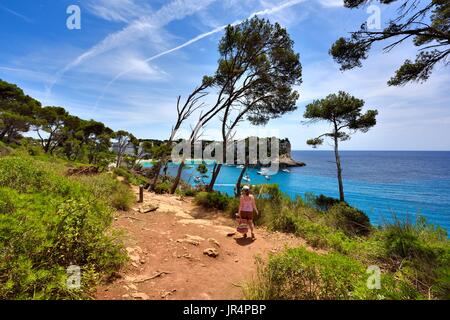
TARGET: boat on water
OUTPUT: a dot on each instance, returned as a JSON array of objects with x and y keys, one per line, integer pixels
[
  {"x": 246, "y": 178},
  {"x": 286, "y": 170},
  {"x": 240, "y": 167},
  {"x": 197, "y": 179},
  {"x": 263, "y": 172},
  {"x": 267, "y": 177}
]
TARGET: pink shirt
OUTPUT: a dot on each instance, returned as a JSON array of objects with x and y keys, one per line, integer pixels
[{"x": 246, "y": 204}]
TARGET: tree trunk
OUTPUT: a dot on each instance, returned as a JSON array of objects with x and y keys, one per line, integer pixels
[
  {"x": 119, "y": 158},
  {"x": 214, "y": 177},
  {"x": 156, "y": 177},
  {"x": 238, "y": 184},
  {"x": 177, "y": 178},
  {"x": 339, "y": 169},
  {"x": 165, "y": 169}
]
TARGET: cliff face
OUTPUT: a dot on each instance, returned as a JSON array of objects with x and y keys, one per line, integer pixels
[
  {"x": 285, "y": 150},
  {"x": 286, "y": 159}
]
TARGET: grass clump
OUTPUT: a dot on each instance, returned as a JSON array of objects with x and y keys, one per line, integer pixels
[{"x": 122, "y": 199}]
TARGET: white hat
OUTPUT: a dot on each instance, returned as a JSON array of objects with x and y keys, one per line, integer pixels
[{"x": 246, "y": 188}]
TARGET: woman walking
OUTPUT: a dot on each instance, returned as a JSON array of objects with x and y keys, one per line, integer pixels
[{"x": 247, "y": 207}]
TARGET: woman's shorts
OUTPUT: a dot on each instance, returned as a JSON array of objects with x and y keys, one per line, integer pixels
[{"x": 247, "y": 215}]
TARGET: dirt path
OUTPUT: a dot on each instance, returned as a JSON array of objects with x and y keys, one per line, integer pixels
[{"x": 167, "y": 247}]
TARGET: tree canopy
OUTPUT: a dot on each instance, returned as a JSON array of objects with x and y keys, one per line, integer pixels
[
  {"x": 344, "y": 113},
  {"x": 257, "y": 70},
  {"x": 17, "y": 111},
  {"x": 428, "y": 25},
  {"x": 56, "y": 128}
]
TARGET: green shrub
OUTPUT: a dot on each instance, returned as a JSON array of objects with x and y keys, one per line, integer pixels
[
  {"x": 49, "y": 222},
  {"x": 104, "y": 186},
  {"x": 212, "y": 200},
  {"x": 130, "y": 177},
  {"x": 298, "y": 274},
  {"x": 23, "y": 175},
  {"x": 351, "y": 221},
  {"x": 163, "y": 187},
  {"x": 122, "y": 198},
  {"x": 267, "y": 191},
  {"x": 419, "y": 253},
  {"x": 187, "y": 191},
  {"x": 391, "y": 288},
  {"x": 325, "y": 203},
  {"x": 293, "y": 216}
]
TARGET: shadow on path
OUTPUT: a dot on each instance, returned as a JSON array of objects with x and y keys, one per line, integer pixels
[{"x": 244, "y": 241}]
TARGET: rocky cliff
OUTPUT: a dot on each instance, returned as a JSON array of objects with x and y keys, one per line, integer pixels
[{"x": 285, "y": 150}]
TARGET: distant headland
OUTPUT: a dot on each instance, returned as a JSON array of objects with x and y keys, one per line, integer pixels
[{"x": 285, "y": 150}]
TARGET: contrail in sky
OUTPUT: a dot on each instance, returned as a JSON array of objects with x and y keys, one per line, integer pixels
[
  {"x": 145, "y": 26},
  {"x": 269, "y": 11},
  {"x": 25, "y": 18}
]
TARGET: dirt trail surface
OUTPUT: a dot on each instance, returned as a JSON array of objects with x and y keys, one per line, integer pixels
[{"x": 184, "y": 252}]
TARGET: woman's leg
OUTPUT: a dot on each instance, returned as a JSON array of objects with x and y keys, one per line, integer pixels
[
  {"x": 247, "y": 223},
  {"x": 250, "y": 223}
]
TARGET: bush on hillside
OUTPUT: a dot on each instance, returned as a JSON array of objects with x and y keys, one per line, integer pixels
[
  {"x": 163, "y": 187},
  {"x": 294, "y": 216},
  {"x": 55, "y": 222},
  {"x": 420, "y": 253},
  {"x": 130, "y": 177},
  {"x": 297, "y": 274},
  {"x": 322, "y": 202},
  {"x": 267, "y": 191},
  {"x": 123, "y": 199},
  {"x": 187, "y": 191},
  {"x": 212, "y": 200},
  {"x": 351, "y": 221},
  {"x": 28, "y": 176}
]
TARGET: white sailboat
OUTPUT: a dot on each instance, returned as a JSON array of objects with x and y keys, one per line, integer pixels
[{"x": 263, "y": 172}]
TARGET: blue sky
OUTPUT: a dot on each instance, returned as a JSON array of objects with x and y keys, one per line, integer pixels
[{"x": 118, "y": 38}]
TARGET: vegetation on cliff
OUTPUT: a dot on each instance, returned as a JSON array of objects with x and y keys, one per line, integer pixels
[
  {"x": 49, "y": 221},
  {"x": 413, "y": 257}
]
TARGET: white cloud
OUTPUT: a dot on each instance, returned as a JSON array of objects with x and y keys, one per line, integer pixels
[
  {"x": 114, "y": 63},
  {"x": 267, "y": 11},
  {"x": 118, "y": 10},
  {"x": 332, "y": 3},
  {"x": 146, "y": 26}
]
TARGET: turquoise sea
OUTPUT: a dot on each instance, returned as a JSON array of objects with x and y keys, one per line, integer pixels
[{"x": 381, "y": 183}]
